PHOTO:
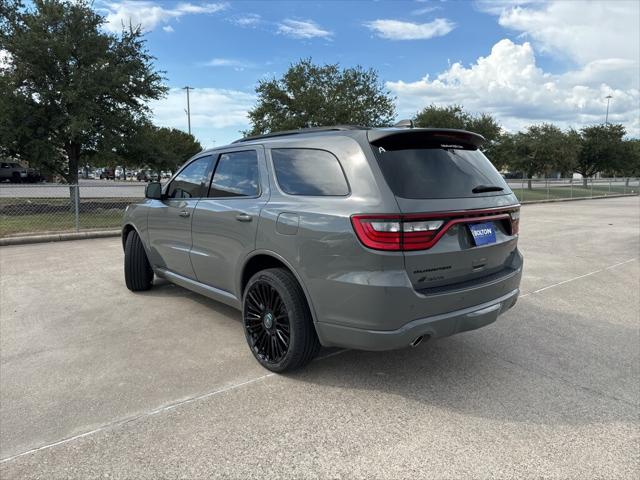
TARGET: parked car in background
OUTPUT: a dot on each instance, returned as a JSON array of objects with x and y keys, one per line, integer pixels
[
  {"x": 34, "y": 175},
  {"x": 13, "y": 172},
  {"x": 349, "y": 237},
  {"x": 147, "y": 176},
  {"x": 108, "y": 174}
]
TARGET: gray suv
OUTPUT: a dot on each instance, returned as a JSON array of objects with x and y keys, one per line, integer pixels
[{"x": 351, "y": 237}]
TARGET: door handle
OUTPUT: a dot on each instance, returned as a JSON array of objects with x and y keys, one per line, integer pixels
[
  {"x": 243, "y": 217},
  {"x": 184, "y": 213}
]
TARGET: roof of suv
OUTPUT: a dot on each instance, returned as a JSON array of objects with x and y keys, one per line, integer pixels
[{"x": 448, "y": 135}]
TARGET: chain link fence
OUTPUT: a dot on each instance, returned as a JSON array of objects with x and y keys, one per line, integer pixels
[
  {"x": 99, "y": 205},
  {"x": 55, "y": 208},
  {"x": 566, "y": 188}
]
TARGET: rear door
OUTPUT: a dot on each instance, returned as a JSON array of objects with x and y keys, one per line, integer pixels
[
  {"x": 170, "y": 219},
  {"x": 226, "y": 221},
  {"x": 450, "y": 194}
]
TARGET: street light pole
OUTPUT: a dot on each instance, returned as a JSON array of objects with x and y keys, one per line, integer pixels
[
  {"x": 606, "y": 117},
  {"x": 188, "y": 108}
]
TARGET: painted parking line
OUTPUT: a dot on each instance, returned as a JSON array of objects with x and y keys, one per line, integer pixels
[
  {"x": 578, "y": 277},
  {"x": 166, "y": 408}
]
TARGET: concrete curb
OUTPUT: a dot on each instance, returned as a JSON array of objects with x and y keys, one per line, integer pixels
[{"x": 58, "y": 237}]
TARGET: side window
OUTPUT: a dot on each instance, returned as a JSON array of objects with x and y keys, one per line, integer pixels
[
  {"x": 236, "y": 175},
  {"x": 190, "y": 182},
  {"x": 303, "y": 171}
]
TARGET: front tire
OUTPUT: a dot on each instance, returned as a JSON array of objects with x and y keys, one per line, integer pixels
[
  {"x": 138, "y": 274},
  {"x": 277, "y": 321}
]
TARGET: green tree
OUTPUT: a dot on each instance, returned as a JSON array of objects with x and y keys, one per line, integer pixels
[
  {"x": 451, "y": 116},
  {"x": 601, "y": 149},
  {"x": 310, "y": 95},
  {"x": 71, "y": 89},
  {"x": 628, "y": 164},
  {"x": 454, "y": 116},
  {"x": 503, "y": 152},
  {"x": 537, "y": 149},
  {"x": 158, "y": 148}
]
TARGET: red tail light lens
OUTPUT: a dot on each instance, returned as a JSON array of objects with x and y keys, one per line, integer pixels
[
  {"x": 422, "y": 231},
  {"x": 395, "y": 233},
  {"x": 379, "y": 233},
  {"x": 515, "y": 221}
]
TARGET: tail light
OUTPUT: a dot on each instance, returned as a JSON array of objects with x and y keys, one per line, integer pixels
[
  {"x": 515, "y": 221},
  {"x": 421, "y": 232},
  {"x": 395, "y": 232}
]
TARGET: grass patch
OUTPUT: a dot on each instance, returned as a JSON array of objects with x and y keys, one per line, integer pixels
[{"x": 57, "y": 222}]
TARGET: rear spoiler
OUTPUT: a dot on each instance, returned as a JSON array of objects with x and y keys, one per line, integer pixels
[{"x": 399, "y": 138}]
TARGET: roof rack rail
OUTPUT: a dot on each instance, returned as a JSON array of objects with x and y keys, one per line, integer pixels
[{"x": 300, "y": 131}]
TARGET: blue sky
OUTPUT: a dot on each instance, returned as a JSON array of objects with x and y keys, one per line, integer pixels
[{"x": 524, "y": 62}]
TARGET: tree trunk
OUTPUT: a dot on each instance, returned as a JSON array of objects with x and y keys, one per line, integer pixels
[
  {"x": 584, "y": 181},
  {"x": 73, "y": 154},
  {"x": 626, "y": 182},
  {"x": 529, "y": 186}
]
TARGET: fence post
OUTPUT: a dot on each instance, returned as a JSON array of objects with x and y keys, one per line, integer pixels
[
  {"x": 547, "y": 180},
  {"x": 77, "y": 206},
  {"x": 571, "y": 187}
]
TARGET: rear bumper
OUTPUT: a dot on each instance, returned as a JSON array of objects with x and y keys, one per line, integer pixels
[{"x": 436, "y": 326}]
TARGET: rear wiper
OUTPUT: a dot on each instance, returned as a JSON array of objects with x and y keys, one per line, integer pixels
[{"x": 487, "y": 188}]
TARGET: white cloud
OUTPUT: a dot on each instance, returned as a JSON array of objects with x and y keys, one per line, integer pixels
[
  {"x": 399, "y": 30},
  {"x": 584, "y": 31},
  {"x": 424, "y": 10},
  {"x": 168, "y": 29},
  {"x": 509, "y": 84},
  {"x": 302, "y": 29},
  {"x": 211, "y": 108},
  {"x": 149, "y": 14},
  {"x": 234, "y": 63},
  {"x": 250, "y": 20}
]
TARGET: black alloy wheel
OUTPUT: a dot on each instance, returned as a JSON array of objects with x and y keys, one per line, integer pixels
[
  {"x": 266, "y": 321},
  {"x": 277, "y": 321}
]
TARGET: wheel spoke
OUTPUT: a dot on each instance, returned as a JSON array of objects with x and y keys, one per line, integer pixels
[{"x": 268, "y": 337}]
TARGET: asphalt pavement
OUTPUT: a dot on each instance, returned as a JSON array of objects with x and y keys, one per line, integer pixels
[{"x": 96, "y": 381}]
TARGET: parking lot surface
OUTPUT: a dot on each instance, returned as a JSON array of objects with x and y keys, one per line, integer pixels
[{"x": 96, "y": 381}]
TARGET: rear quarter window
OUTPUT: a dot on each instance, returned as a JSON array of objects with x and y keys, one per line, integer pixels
[{"x": 305, "y": 171}]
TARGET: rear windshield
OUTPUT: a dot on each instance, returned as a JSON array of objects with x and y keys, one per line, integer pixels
[{"x": 439, "y": 173}]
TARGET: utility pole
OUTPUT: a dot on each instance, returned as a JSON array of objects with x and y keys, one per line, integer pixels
[
  {"x": 188, "y": 108},
  {"x": 606, "y": 117}
]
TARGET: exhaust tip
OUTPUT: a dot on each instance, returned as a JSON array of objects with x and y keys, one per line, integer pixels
[{"x": 416, "y": 342}]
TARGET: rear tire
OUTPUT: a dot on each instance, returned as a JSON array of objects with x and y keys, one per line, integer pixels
[
  {"x": 138, "y": 274},
  {"x": 277, "y": 322}
]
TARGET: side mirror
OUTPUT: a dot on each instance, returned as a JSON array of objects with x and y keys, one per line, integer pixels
[{"x": 153, "y": 190}]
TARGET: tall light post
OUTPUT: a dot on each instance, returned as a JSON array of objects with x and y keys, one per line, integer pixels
[
  {"x": 188, "y": 108},
  {"x": 606, "y": 117}
]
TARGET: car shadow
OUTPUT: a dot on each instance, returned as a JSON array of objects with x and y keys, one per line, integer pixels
[{"x": 504, "y": 372}]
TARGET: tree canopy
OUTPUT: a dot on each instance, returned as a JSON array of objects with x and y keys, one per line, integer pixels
[
  {"x": 310, "y": 95},
  {"x": 454, "y": 116},
  {"x": 601, "y": 149},
  {"x": 158, "y": 148},
  {"x": 71, "y": 89}
]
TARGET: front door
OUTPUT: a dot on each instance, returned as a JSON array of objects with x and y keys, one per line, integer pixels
[
  {"x": 225, "y": 223},
  {"x": 170, "y": 219}
]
